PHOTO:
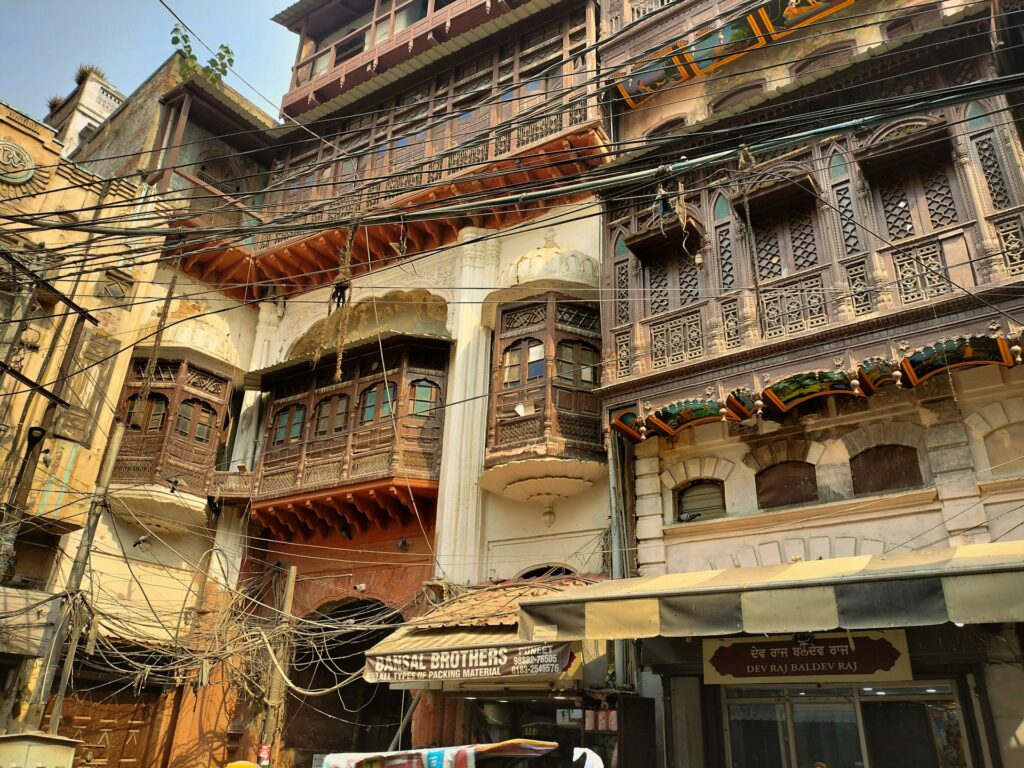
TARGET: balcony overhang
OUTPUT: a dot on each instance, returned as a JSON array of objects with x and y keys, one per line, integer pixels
[
  {"x": 543, "y": 479},
  {"x": 349, "y": 510},
  {"x": 223, "y": 261},
  {"x": 311, "y": 260},
  {"x": 155, "y": 507}
]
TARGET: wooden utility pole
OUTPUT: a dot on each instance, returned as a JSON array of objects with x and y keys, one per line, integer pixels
[
  {"x": 273, "y": 722},
  {"x": 55, "y": 638}
]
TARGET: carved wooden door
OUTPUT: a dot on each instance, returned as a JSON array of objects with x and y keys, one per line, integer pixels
[{"x": 113, "y": 725}]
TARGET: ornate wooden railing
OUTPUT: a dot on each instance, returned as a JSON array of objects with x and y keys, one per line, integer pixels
[
  {"x": 165, "y": 460},
  {"x": 355, "y": 457}
]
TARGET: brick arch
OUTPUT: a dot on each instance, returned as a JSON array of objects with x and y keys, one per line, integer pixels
[
  {"x": 698, "y": 468},
  {"x": 993, "y": 416},
  {"x": 779, "y": 451},
  {"x": 883, "y": 433}
]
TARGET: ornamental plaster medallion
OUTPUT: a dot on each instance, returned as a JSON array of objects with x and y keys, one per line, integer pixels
[{"x": 16, "y": 165}]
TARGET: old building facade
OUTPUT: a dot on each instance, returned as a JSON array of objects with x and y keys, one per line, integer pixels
[{"x": 816, "y": 349}]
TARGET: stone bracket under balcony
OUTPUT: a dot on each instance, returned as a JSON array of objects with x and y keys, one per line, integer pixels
[
  {"x": 157, "y": 507},
  {"x": 379, "y": 504},
  {"x": 542, "y": 480}
]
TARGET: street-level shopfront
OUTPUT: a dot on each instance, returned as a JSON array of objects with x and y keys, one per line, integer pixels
[
  {"x": 475, "y": 681},
  {"x": 898, "y": 662}
]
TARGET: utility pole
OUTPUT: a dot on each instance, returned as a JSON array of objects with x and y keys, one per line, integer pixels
[
  {"x": 270, "y": 738},
  {"x": 44, "y": 681}
]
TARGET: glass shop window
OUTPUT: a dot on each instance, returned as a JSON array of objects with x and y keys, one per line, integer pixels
[{"x": 906, "y": 725}]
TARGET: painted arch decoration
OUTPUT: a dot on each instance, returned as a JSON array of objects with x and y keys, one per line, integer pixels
[
  {"x": 682, "y": 60},
  {"x": 871, "y": 375},
  {"x": 960, "y": 352}
]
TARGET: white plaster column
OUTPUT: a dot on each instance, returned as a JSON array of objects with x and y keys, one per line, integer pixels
[
  {"x": 952, "y": 466},
  {"x": 650, "y": 516},
  {"x": 247, "y": 437},
  {"x": 457, "y": 541}
]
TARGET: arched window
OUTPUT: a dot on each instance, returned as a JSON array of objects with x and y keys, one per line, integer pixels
[
  {"x": 375, "y": 403},
  {"x": 735, "y": 96},
  {"x": 331, "y": 416},
  {"x": 148, "y": 416},
  {"x": 885, "y": 468},
  {"x": 288, "y": 425},
  {"x": 704, "y": 499},
  {"x": 721, "y": 211},
  {"x": 577, "y": 362},
  {"x": 824, "y": 58},
  {"x": 666, "y": 128},
  {"x": 424, "y": 398},
  {"x": 196, "y": 421},
  {"x": 1003, "y": 447},
  {"x": 992, "y": 156},
  {"x": 785, "y": 484},
  {"x": 524, "y": 361}
]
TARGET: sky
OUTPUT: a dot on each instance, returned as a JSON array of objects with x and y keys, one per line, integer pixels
[{"x": 42, "y": 42}]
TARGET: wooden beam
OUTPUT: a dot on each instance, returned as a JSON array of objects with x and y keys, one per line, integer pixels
[
  {"x": 355, "y": 521},
  {"x": 369, "y": 509},
  {"x": 314, "y": 521},
  {"x": 393, "y": 507}
]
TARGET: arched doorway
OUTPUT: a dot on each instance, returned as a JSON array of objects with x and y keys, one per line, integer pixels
[{"x": 359, "y": 717}]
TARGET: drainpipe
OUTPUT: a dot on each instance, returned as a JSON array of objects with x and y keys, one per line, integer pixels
[{"x": 618, "y": 544}]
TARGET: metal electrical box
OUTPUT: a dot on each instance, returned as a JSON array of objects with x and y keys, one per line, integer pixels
[{"x": 36, "y": 750}]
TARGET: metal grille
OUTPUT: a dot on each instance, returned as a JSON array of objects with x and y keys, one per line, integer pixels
[
  {"x": 622, "y": 293},
  {"x": 576, "y": 317},
  {"x": 657, "y": 284},
  {"x": 897, "y": 210},
  {"x": 769, "y": 251},
  {"x": 857, "y": 277},
  {"x": 723, "y": 235},
  {"x": 920, "y": 273},
  {"x": 677, "y": 340},
  {"x": 795, "y": 308},
  {"x": 1011, "y": 237},
  {"x": 995, "y": 179},
  {"x": 731, "y": 323},
  {"x": 939, "y": 195},
  {"x": 847, "y": 219},
  {"x": 689, "y": 285},
  {"x": 623, "y": 350},
  {"x": 801, "y": 232}
]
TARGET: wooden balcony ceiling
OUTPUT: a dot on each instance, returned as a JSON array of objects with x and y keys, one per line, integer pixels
[
  {"x": 350, "y": 510},
  {"x": 224, "y": 262},
  {"x": 312, "y": 259}
]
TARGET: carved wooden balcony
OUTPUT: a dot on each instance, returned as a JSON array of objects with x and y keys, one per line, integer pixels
[
  {"x": 545, "y": 440},
  {"x": 163, "y": 471},
  {"x": 232, "y": 487},
  {"x": 332, "y": 461}
]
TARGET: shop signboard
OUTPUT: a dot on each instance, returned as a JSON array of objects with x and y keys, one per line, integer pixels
[
  {"x": 809, "y": 658},
  {"x": 469, "y": 663}
]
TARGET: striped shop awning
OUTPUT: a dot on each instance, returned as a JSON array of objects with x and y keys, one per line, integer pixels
[{"x": 972, "y": 584}]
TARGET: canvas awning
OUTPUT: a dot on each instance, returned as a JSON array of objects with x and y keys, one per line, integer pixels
[{"x": 973, "y": 584}]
